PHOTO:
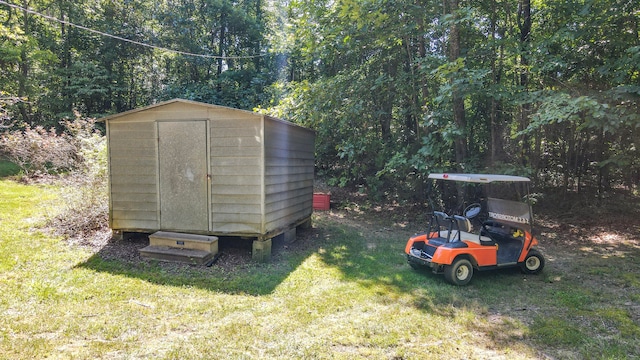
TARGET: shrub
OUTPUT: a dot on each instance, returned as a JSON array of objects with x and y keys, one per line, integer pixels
[
  {"x": 37, "y": 150},
  {"x": 83, "y": 211},
  {"x": 81, "y": 154}
]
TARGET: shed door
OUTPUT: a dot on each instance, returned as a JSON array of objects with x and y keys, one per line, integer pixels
[{"x": 182, "y": 149}]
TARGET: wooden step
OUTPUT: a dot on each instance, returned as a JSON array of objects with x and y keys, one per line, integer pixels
[
  {"x": 184, "y": 241},
  {"x": 167, "y": 253}
]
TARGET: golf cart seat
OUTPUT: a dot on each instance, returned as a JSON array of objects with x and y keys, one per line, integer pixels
[
  {"x": 441, "y": 224},
  {"x": 462, "y": 231}
]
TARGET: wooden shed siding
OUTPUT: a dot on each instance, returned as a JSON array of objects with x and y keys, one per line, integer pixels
[
  {"x": 136, "y": 170},
  {"x": 287, "y": 204},
  {"x": 129, "y": 205},
  {"x": 285, "y": 196},
  {"x": 226, "y": 199},
  {"x": 288, "y": 177},
  {"x": 292, "y": 169},
  {"x": 144, "y": 198},
  {"x": 236, "y": 171},
  {"x": 123, "y": 180},
  {"x": 240, "y": 181},
  {"x": 291, "y": 179},
  {"x": 274, "y": 189},
  {"x": 123, "y": 216},
  {"x": 134, "y": 225},
  {"x": 143, "y": 147},
  {"x": 133, "y": 179}
]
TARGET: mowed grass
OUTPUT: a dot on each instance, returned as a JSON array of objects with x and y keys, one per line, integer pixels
[{"x": 347, "y": 294}]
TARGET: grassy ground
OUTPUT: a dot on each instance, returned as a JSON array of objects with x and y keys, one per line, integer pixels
[
  {"x": 343, "y": 291},
  {"x": 8, "y": 168}
]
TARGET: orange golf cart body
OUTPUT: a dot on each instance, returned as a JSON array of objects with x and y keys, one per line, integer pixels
[{"x": 504, "y": 239}]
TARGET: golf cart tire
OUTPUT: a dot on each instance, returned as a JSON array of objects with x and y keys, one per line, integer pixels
[
  {"x": 459, "y": 272},
  {"x": 533, "y": 263}
]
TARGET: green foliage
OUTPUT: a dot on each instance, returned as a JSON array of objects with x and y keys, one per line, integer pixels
[
  {"x": 374, "y": 78},
  {"x": 553, "y": 92},
  {"x": 58, "y": 68}
]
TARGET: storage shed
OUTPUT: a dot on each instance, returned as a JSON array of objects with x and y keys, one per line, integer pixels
[{"x": 188, "y": 167}]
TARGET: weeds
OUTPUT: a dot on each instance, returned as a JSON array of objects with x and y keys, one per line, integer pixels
[
  {"x": 37, "y": 150},
  {"x": 84, "y": 203}
]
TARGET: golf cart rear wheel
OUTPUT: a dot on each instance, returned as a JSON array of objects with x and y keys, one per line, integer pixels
[
  {"x": 459, "y": 273},
  {"x": 533, "y": 263}
]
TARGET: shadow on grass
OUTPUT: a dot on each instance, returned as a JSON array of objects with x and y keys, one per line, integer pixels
[
  {"x": 511, "y": 310},
  {"x": 372, "y": 258},
  {"x": 233, "y": 273},
  {"x": 376, "y": 260}
]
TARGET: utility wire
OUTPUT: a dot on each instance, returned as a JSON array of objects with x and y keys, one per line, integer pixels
[{"x": 125, "y": 39}]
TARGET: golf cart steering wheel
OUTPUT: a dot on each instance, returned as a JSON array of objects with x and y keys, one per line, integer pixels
[{"x": 472, "y": 210}]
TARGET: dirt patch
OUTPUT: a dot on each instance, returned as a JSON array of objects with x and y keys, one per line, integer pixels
[{"x": 234, "y": 253}]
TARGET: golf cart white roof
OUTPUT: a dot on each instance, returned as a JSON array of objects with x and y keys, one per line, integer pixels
[{"x": 479, "y": 178}]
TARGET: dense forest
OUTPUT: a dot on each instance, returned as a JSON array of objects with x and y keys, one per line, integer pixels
[{"x": 394, "y": 88}]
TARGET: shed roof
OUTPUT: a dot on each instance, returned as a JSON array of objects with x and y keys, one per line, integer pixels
[{"x": 191, "y": 102}]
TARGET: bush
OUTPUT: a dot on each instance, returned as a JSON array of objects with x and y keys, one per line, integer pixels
[
  {"x": 37, "y": 150},
  {"x": 84, "y": 207},
  {"x": 81, "y": 154}
]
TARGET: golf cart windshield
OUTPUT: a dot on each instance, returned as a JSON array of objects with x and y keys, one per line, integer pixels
[
  {"x": 499, "y": 197},
  {"x": 514, "y": 213}
]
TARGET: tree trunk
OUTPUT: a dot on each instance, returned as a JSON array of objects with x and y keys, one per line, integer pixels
[
  {"x": 258, "y": 45},
  {"x": 23, "y": 67},
  {"x": 496, "y": 123},
  {"x": 458, "y": 99},
  {"x": 221, "y": 46},
  {"x": 65, "y": 61},
  {"x": 524, "y": 24},
  {"x": 386, "y": 102}
]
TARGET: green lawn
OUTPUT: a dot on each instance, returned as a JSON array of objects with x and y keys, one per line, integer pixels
[
  {"x": 346, "y": 292},
  {"x": 8, "y": 168}
]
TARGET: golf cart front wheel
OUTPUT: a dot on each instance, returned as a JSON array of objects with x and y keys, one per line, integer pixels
[
  {"x": 459, "y": 273},
  {"x": 533, "y": 263}
]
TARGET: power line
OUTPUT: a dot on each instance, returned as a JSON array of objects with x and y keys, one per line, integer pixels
[{"x": 128, "y": 40}]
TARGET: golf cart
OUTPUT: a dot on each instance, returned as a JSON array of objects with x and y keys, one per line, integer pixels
[{"x": 502, "y": 236}]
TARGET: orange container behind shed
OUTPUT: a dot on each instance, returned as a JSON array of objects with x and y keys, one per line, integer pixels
[{"x": 321, "y": 201}]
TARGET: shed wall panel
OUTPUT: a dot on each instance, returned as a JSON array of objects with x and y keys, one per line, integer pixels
[
  {"x": 133, "y": 175},
  {"x": 224, "y": 200},
  {"x": 123, "y": 215},
  {"x": 134, "y": 206},
  {"x": 283, "y": 188},
  {"x": 236, "y": 172},
  {"x": 141, "y": 197},
  {"x": 141, "y": 169},
  {"x": 289, "y": 172},
  {"x": 134, "y": 225},
  {"x": 123, "y": 180}
]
